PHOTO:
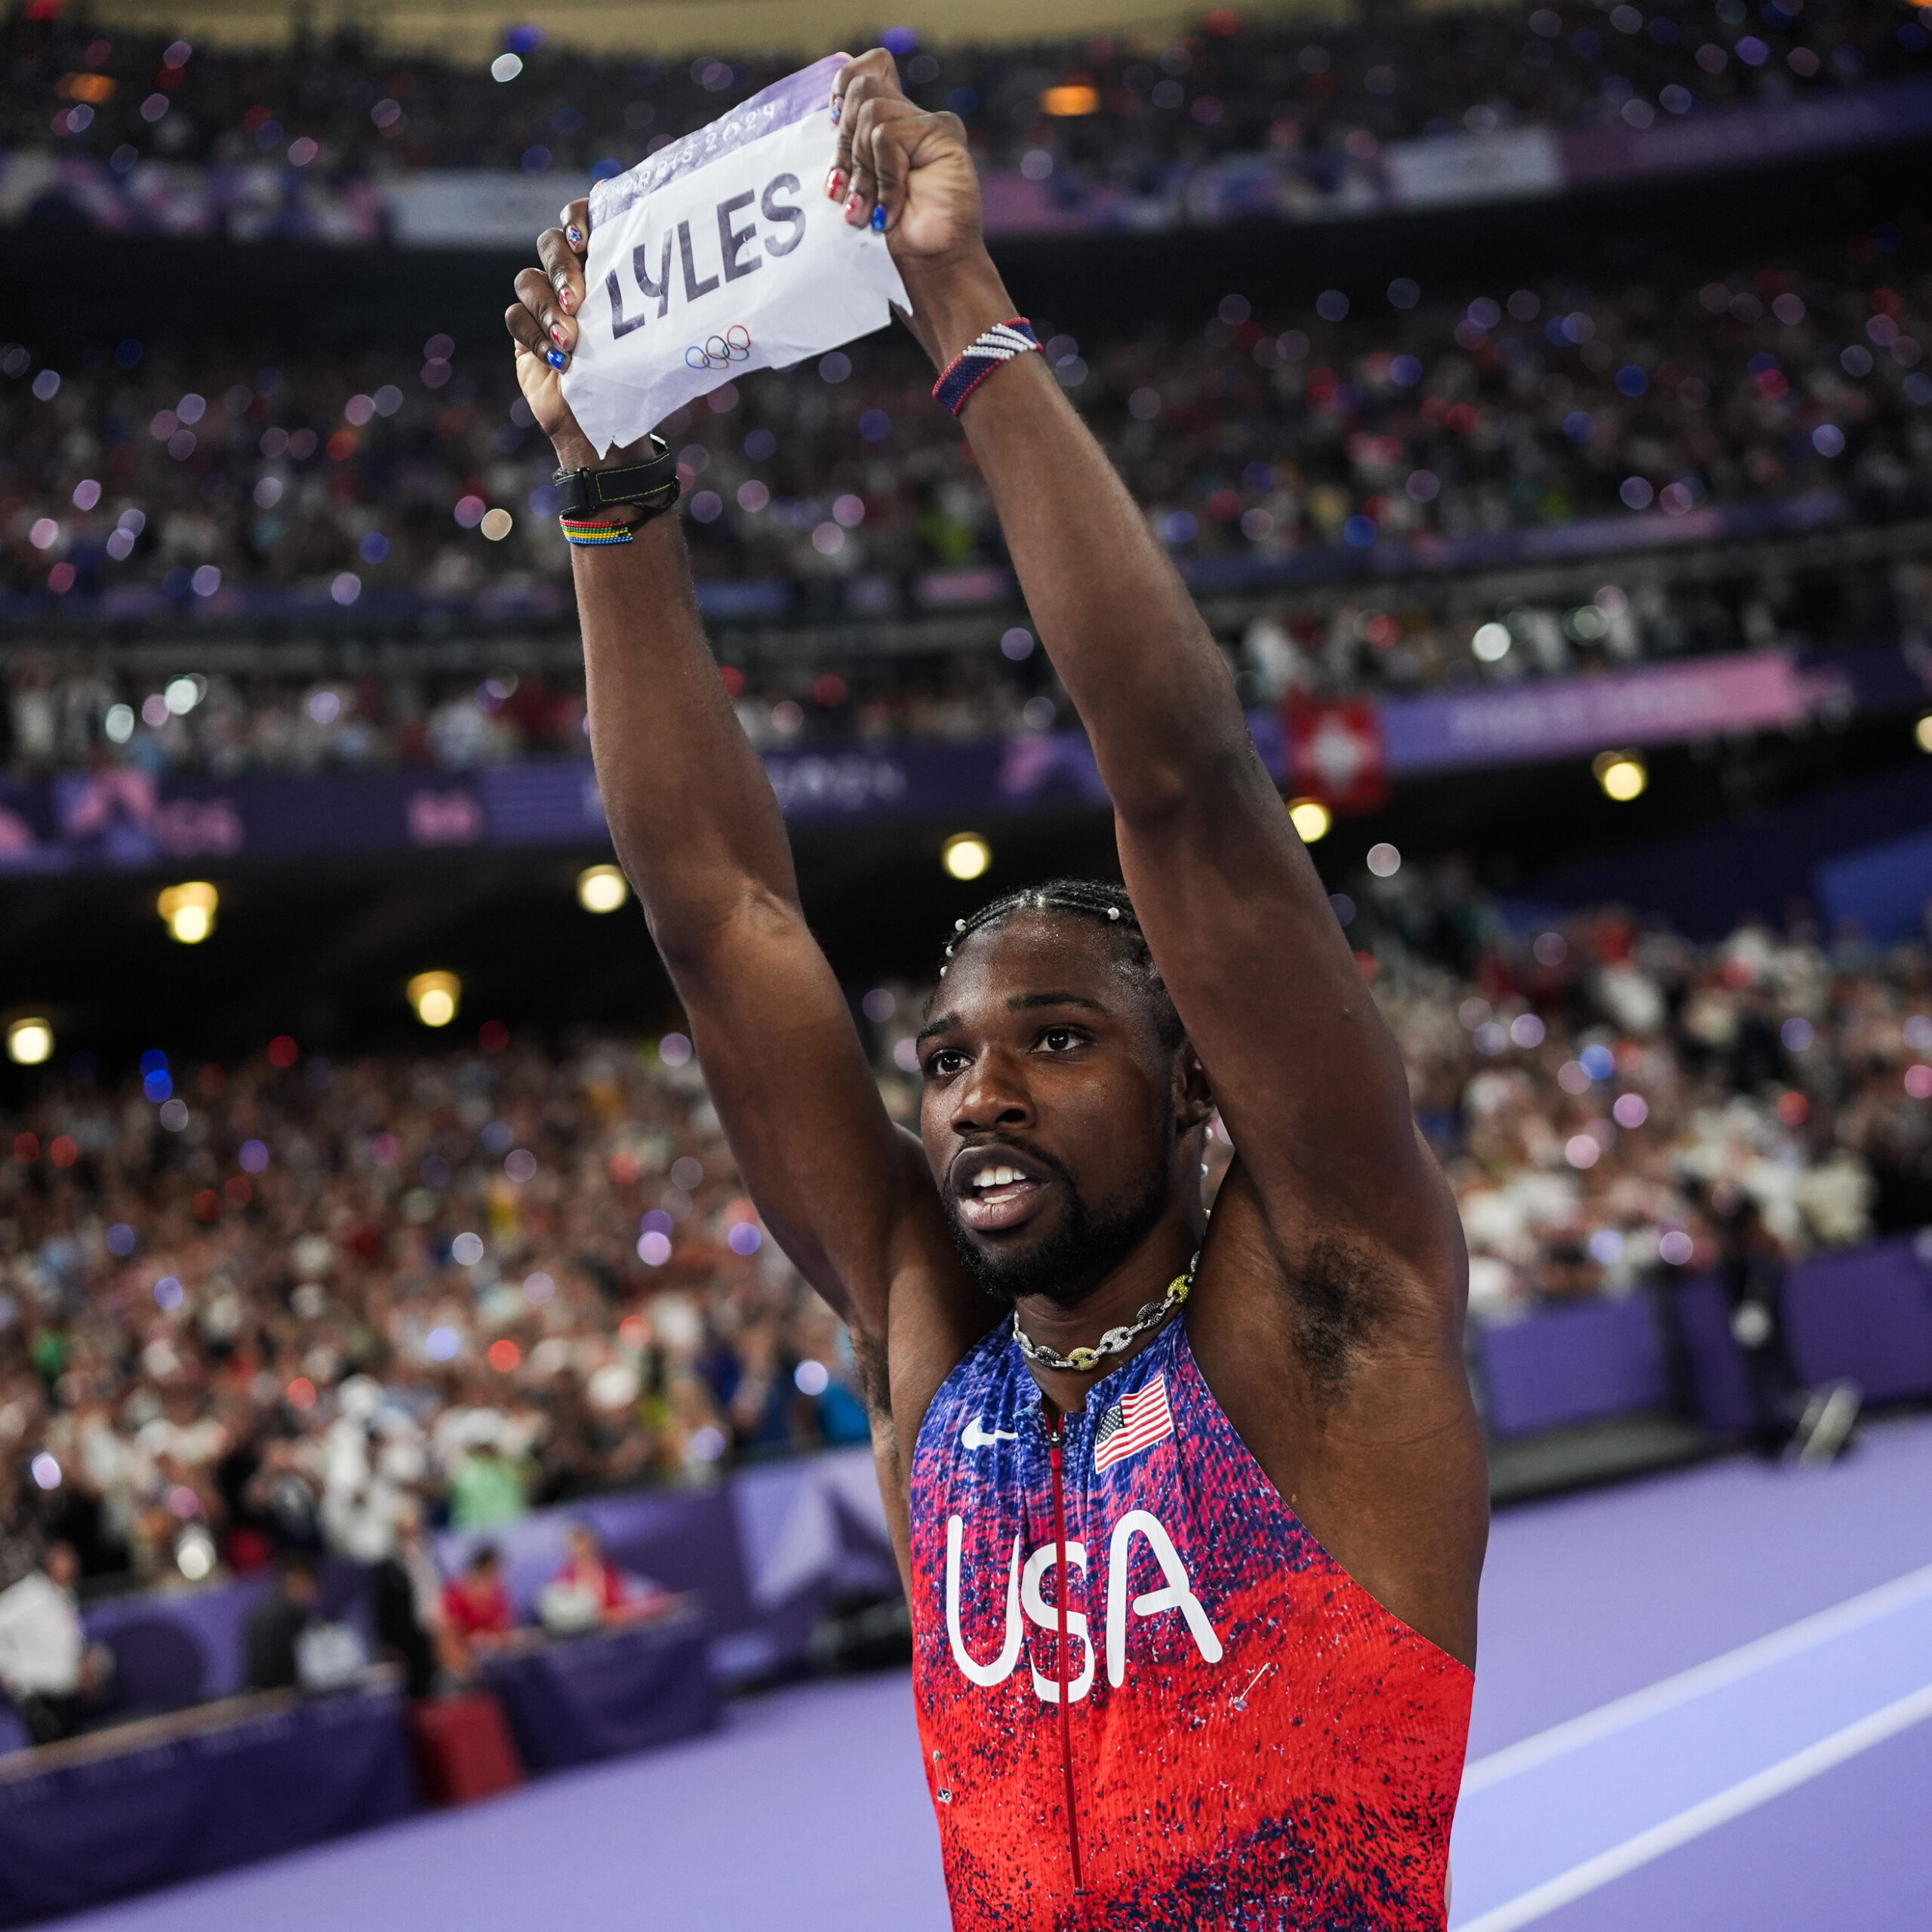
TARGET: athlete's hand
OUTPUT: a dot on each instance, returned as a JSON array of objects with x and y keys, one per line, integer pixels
[
  {"x": 911, "y": 173},
  {"x": 542, "y": 322},
  {"x": 904, "y": 167}
]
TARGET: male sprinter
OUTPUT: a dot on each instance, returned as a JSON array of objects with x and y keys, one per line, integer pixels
[{"x": 1194, "y": 1593}]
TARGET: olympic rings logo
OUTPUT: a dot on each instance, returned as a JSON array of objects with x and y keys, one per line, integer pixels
[{"x": 734, "y": 346}]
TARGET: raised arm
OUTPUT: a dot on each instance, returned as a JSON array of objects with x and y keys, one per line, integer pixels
[
  {"x": 1328, "y": 1322},
  {"x": 1305, "y": 1072},
  {"x": 699, "y": 832}
]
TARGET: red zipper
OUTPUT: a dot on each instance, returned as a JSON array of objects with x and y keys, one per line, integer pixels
[{"x": 1064, "y": 1585}]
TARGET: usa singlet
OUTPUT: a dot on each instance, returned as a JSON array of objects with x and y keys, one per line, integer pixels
[{"x": 1236, "y": 1736}]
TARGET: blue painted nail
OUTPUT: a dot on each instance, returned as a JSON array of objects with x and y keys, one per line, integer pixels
[
  {"x": 878, "y": 220},
  {"x": 556, "y": 358},
  {"x": 837, "y": 105},
  {"x": 576, "y": 237}
]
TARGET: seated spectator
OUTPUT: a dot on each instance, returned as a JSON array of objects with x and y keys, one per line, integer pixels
[
  {"x": 276, "y": 1624},
  {"x": 406, "y": 1594},
  {"x": 478, "y": 1614},
  {"x": 589, "y": 1590},
  {"x": 46, "y": 1666}
]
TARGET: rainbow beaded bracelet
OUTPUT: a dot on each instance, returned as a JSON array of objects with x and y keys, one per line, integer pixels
[{"x": 594, "y": 535}]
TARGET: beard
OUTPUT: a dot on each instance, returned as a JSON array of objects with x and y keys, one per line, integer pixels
[{"x": 1066, "y": 1266}]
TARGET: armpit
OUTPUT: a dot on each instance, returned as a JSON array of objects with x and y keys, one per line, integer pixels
[{"x": 1341, "y": 1293}]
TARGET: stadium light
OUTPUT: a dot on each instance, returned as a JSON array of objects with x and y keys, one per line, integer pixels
[
  {"x": 189, "y": 911},
  {"x": 1072, "y": 100},
  {"x": 1922, "y": 731},
  {"x": 1310, "y": 818},
  {"x": 601, "y": 888},
  {"x": 1623, "y": 775},
  {"x": 966, "y": 855},
  {"x": 29, "y": 1042},
  {"x": 434, "y": 997}
]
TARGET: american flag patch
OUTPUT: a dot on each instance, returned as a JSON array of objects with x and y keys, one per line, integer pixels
[{"x": 1135, "y": 1422}]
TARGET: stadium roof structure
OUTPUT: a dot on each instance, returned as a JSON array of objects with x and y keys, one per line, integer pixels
[{"x": 473, "y": 29}]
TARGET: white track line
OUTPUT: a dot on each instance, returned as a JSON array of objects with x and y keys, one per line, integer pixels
[
  {"x": 1698, "y": 1682},
  {"x": 1744, "y": 1796}
]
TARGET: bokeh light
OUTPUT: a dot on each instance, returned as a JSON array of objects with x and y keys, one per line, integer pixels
[
  {"x": 601, "y": 888},
  {"x": 1310, "y": 818},
  {"x": 434, "y": 997},
  {"x": 966, "y": 855},
  {"x": 29, "y": 1041},
  {"x": 1622, "y": 775},
  {"x": 189, "y": 911}
]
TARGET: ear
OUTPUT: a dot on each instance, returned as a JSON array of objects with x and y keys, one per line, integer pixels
[{"x": 1194, "y": 1099}]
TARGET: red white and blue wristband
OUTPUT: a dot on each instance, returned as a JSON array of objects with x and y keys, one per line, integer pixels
[{"x": 981, "y": 357}]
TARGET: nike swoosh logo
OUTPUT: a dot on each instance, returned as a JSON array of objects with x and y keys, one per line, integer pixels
[{"x": 974, "y": 1437}]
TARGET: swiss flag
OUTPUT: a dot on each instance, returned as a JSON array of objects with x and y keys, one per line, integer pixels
[{"x": 1336, "y": 752}]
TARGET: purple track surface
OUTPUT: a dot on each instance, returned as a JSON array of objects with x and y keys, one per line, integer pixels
[{"x": 807, "y": 1810}]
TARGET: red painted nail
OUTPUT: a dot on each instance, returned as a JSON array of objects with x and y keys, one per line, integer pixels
[
  {"x": 835, "y": 183},
  {"x": 852, "y": 205},
  {"x": 566, "y": 295},
  {"x": 557, "y": 333}
]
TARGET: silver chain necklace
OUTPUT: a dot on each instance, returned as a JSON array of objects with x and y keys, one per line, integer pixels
[{"x": 1079, "y": 1361}]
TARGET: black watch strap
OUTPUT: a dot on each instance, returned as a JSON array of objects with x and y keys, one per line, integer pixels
[{"x": 585, "y": 492}]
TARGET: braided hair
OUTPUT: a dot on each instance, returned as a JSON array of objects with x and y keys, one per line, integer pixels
[{"x": 1110, "y": 907}]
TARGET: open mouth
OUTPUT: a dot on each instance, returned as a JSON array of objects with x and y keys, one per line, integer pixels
[{"x": 995, "y": 1189}]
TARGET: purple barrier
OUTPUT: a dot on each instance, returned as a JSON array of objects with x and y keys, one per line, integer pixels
[
  {"x": 1867, "y": 1318},
  {"x": 682, "y": 1539},
  {"x": 808, "y": 1531},
  {"x": 1656, "y": 704},
  {"x": 189, "y": 1805},
  {"x": 762, "y": 1554},
  {"x": 584, "y": 1698},
  {"x": 1572, "y": 1365},
  {"x": 1719, "y": 1389},
  {"x": 1749, "y": 134},
  {"x": 119, "y": 817},
  {"x": 173, "y": 1648}
]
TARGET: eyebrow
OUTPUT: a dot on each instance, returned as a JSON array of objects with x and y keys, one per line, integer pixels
[
  {"x": 1026, "y": 1002},
  {"x": 1019, "y": 1003}
]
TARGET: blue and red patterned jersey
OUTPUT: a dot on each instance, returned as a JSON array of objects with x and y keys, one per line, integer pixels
[{"x": 1248, "y": 1742}]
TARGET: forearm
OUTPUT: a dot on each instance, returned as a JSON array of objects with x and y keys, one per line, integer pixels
[
  {"x": 690, "y": 810},
  {"x": 1141, "y": 667}
]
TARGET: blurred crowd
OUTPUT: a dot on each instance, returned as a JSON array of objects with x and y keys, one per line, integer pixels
[
  {"x": 1610, "y": 1102},
  {"x": 65, "y": 709},
  {"x": 292, "y": 1305},
  {"x": 244, "y": 1311},
  {"x": 1116, "y": 108},
  {"x": 1416, "y": 418}
]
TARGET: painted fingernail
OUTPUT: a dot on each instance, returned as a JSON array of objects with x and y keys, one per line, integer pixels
[
  {"x": 878, "y": 218},
  {"x": 557, "y": 334},
  {"x": 555, "y": 358},
  {"x": 835, "y": 184},
  {"x": 566, "y": 297},
  {"x": 837, "y": 108},
  {"x": 576, "y": 237},
  {"x": 852, "y": 205}
]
